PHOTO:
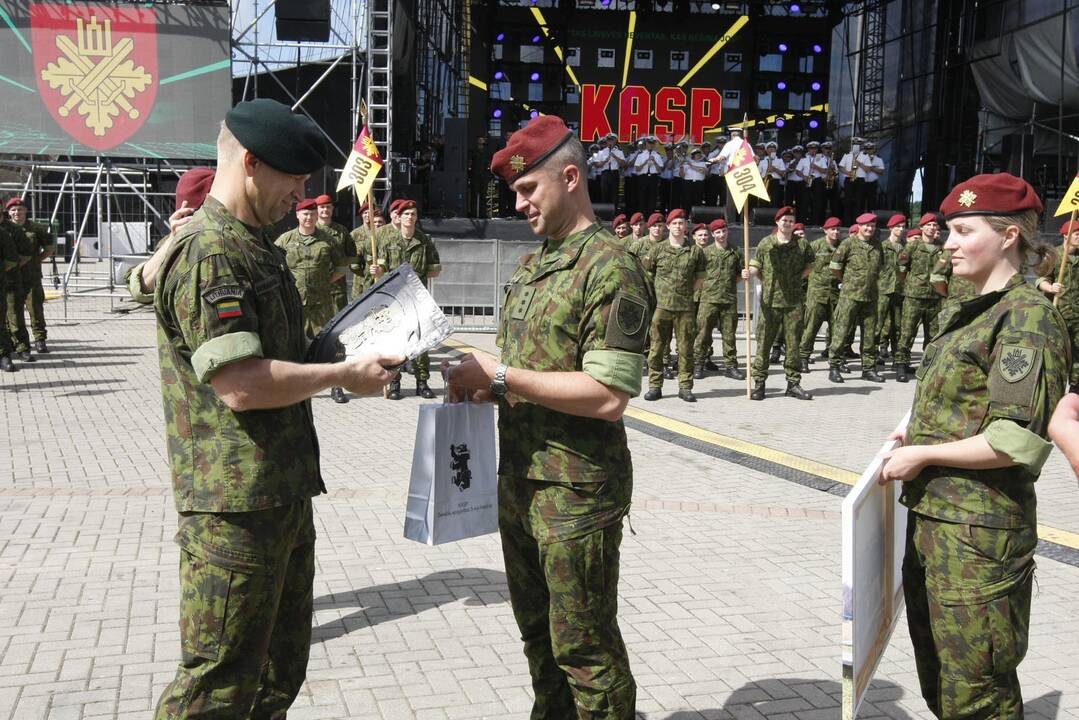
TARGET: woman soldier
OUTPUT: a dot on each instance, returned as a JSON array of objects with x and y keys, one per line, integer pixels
[{"x": 971, "y": 453}]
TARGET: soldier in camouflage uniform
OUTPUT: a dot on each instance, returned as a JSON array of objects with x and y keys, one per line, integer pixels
[
  {"x": 782, "y": 262},
  {"x": 310, "y": 255},
  {"x": 1066, "y": 294},
  {"x": 363, "y": 276},
  {"x": 676, "y": 267},
  {"x": 43, "y": 244},
  {"x": 718, "y": 305},
  {"x": 9, "y": 264},
  {"x": 620, "y": 228},
  {"x": 822, "y": 293},
  {"x": 343, "y": 246},
  {"x": 973, "y": 449},
  {"x": 18, "y": 287},
  {"x": 921, "y": 303},
  {"x": 856, "y": 263},
  {"x": 412, "y": 245},
  {"x": 890, "y": 290},
  {"x": 572, "y": 331},
  {"x": 241, "y": 437}
]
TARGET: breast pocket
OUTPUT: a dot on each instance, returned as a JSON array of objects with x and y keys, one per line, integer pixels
[{"x": 275, "y": 326}]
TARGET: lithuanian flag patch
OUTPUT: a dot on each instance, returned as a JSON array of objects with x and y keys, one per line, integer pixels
[{"x": 228, "y": 309}]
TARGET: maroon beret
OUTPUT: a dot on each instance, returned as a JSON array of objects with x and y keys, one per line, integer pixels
[
  {"x": 324, "y": 200},
  {"x": 396, "y": 204},
  {"x": 194, "y": 186},
  {"x": 999, "y": 194},
  {"x": 914, "y": 232},
  {"x": 306, "y": 204},
  {"x": 655, "y": 219},
  {"x": 1069, "y": 227},
  {"x": 717, "y": 224},
  {"x": 363, "y": 208},
  {"x": 529, "y": 147},
  {"x": 853, "y": 229},
  {"x": 799, "y": 226},
  {"x": 928, "y": 218},
  {"x": 897, "y": 219},
  {"x": 832, "y": 222},
  {"x": 676, "y": 214},
  {"x": 636, "y": 218},
  {"x": 699, "y": 226},
  {"x": 866, "y": 219},
  {"x": 403, "y": 205},
  {"x": 13, "y": 202},
  {"x": 783, "y": 212},
  {"x": 618, "y": 220}
]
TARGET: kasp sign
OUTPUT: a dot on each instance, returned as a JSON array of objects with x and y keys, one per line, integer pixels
[{"x": 677, "y": 114}]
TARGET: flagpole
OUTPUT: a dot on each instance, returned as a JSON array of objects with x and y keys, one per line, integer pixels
[
  {"x": 370, "y": 196},
  {"x": 1064, "y": 256},
  {"x": 749, "y": 307}
]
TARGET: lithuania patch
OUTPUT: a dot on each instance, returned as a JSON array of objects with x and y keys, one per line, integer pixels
[
  {"x": 229, "y": 309},
  {"x": 1016, "y": 362},
  {"x": 223, "y": 292}
]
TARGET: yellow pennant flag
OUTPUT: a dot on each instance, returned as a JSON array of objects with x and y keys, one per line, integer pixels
[
  {"x": 1071, "y": 199},
  {"x": 362, "y": 166},
  {"x": 743, "y": 177}
]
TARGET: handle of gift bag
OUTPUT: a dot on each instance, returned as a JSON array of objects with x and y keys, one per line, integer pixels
[{"x": 446, "y": 371}]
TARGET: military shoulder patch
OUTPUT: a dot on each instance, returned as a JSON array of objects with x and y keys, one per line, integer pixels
[
  {"x": 627, "y": 324},
  {"x": 1015, "y": 363},
  {"x": 223, "y": 292}
]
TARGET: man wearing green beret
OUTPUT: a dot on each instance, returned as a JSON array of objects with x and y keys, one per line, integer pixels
[{"x": 241, "y": 437}]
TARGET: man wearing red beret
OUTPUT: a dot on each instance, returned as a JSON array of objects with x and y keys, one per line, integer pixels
[
  {"x": 343, "y": 246},
  {"x": 822, "y": 292},
  {"x": 573, "y": 328},
  {"x": 921, "y": 303},
  {"x": 620, "y": 226},
  {"x": 718, "y": 305},
  {"x": 890, "y": 290},
  {"x": 782, "y": 261},
  {"x": 636, "y": 225},
  {"x": 35, "y": 239},
  {"x": 315, "y": 264},
  {"x": 856, "y": 264},
  {"x": 363, "y": 277}
]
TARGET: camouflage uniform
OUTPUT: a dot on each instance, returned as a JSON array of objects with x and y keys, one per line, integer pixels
[
  {"x": 343, "y": 251},
  {"x": 9, "y": 264},
  {"x": 242, "y": 481},
  {"x": 312, "y": 260},
  {"x": 1068, "y": 305},
  {"x": 997, "y": 368},
  {"x": 821, "y": 297},
  {"x": 420, "y": 252},
  {"x": 20, "y": 285},
  {"x": 133, "y": 281},
  {"x": 921, "y": 302},
  {"x": 860, "y": 262},
  {"x": 362, "y": 280},
  {"x": 565, "y": 481},
  {"x": 959, "y": 288},
  {"x": 889, "y": 296},
  {"x": 782, "y": 302},
  {"x": 718, "y": 302},
  {"x": 674, "y": 271}
]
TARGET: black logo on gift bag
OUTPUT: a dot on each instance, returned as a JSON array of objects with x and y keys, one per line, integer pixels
[{"x": 462, "y": 476}]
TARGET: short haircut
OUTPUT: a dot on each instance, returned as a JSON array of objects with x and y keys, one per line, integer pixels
[
  {"x": 228, "y": 147},
  {"x": 571, "y": 153}
]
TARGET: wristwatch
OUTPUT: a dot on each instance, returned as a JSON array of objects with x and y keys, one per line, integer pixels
[{"x": 498, "y": 385}]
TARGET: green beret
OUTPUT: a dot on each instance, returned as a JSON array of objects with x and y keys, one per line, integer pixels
[{"x": 284, "y": 140}]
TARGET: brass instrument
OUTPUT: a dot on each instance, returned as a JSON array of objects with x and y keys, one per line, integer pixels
[{"x": 829, "y": 179}]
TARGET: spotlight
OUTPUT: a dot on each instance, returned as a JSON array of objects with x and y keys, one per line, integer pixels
[
  {"x": 816, "y": 86},
  {"x": 780, "y": 122},
  {"x": 781, "y": 85},
  {"x": 813, "y": 124},
  {"x": 605, "y": 3},
  {"x": 716, "y": 6},
  {"x": 795, "y": 8},
  {"x": 497, "y": 113},
  {"x": 535, "y": 39},
  {"x": 500, "y": 75},
  {"x": 783, "y": 47},
  {"x": 534, "y": 77},
  {"x": 818, "y": 48},
  {"x": 535, "y": 113},
  {"x": 500, "y": 37}
]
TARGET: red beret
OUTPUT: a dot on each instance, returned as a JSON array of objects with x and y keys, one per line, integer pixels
[
  {"x": 636, "y": 218},
  {"x": 324, "y": 200},
  {"x": 896, "y": 219},
  {"x": 194, "y": 186},
  {"x": 866, "y": 219},
  {"x": 1069, "y": 227},
  {"x": 799, "y": 226},
  {"x": 676, "y": 214},
  {"x": 396, "y": 204},
  {"x": 717, "y": 224},
  {"x": 529, "y": 147},
  {"x": 403, "y": 205},
  {"x": 363, "y": 208},
  {"x": 13, "y": 202},
  {"x": 832, "y": 222},
  {"x": 784, "y": 211},
  {"x": 914, "y": 232},
  {"x": 306, "y": 204},
  {"x": 1000, "y": 194},
  {"x": 853, "y": 229},
  {"x": 618, "y": 220},
  {"x": 655, "y": 219},
  {"x": 928, "y": 218},
  {"x": 699, "y": 226}
]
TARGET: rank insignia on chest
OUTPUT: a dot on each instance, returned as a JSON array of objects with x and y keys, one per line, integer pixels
[
  {"x": 522, "y": 299},
  {"x": 1015, "y": 362}
]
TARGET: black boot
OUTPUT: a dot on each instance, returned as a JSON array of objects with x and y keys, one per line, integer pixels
[
  {"x": 653, "y": 394},
  {"x": 758, "y": 391},
  {"x": 848, "y": 352},
  {"x": 687, "y": 395},
  {"x": 774, "y": 357},
  {"x": 803, "y": 366},
  {"x": 795, "y": 390},
  {"x": 338, "y": 395},
  {"x": 735, "y": 373},
  {"x": 698, "y": 372},
  {"x": 835, "y": 376},
  {"x": 884, "y": 355},
  {"x": 901, "y": 374},
  {"x": 423, "y": 390},
  {"x": 709, "y": 365},
  {"x": 823, "y": 354},
  {"x": 41, "y": 347},
  {"x": 395, "y": 390},
  {"x": 895, "y": 367},
  {"x": 872, "y": 376},
  {"x": 669, "y": 373},
  {"x": 25, "y": 356},
  {"x": 6, "y": 365}
]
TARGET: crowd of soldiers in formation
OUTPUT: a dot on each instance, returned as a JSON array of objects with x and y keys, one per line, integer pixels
[
  {"x": 24, "y": 245},
  {"x": 652, "y": 176}
]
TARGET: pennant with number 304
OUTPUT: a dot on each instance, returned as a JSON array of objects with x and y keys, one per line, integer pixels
[{"x": 362, "y": 166}]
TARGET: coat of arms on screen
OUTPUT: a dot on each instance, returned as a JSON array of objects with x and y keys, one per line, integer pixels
[{"x": 96, "y": 68}]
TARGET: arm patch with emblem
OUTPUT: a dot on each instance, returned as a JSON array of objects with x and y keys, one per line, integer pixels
[
  {"x": 1013, "y": 381},
  {"x": 627, "y": 324}
]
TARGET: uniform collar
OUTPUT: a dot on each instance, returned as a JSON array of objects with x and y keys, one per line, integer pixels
[{"x": 560, "y": 253}]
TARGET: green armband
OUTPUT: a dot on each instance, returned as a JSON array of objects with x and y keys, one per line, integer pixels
[
  {"x": 1028, "y": 450},
  {"x": 217, "y": 352},
  {"x": 617, "y": 369}
]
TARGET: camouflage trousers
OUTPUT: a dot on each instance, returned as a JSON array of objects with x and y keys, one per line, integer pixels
[
  {"x": 682, "y": 324},
  {"x": 339, "y": 294},
  {"x": 916, "y": 311},
  {"x": 6, "y": 347},
  {"x": 564, "y": 594},
  {"x": 245, "y": 613},
  {"x": 15, "y": 318},
  {"x": 725, "y": 317},
  {"x": 773, "y": 323},
  {"x": 816, "y": 314},
  {"x": 967, "y": 591},
  {"x": 421, "y": 367},
  {"x": 849, "y": 314},
  {"x": 889, "y": 320}
]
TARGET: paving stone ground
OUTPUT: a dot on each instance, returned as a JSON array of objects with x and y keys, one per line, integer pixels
[{"x": 730, "y": 588}]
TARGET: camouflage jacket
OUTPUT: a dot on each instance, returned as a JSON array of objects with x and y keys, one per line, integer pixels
[
  {"x": 1068, "y": 305},
  {"x": 25, "y": 243},
  {"x": 823, "y": 285},
  {"x": 419, "y": 251},
  {"x": 781, "y": 266},
  {"x": 311, "y": 258},
  {"x": 860, "y": 262},
  {"x": 361, "y": 261},
  {"x": 344, "y": 248},
  {"x": 959, "y": 288},
  {"x": 225, "y": 294},
  {"x": 918, "y": 260},
  {"x": 38, "y": 240},
  {"x": 581, "y": 304},
  {"x": 998, "y": 367},
  {"x": 674, "y": 271},
  {"x": 723, "y": 268},
  {"x": 9, "y": 261},
  {"x": 888, "y": 282}
]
